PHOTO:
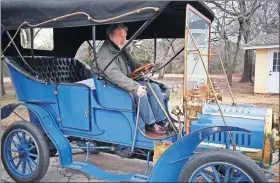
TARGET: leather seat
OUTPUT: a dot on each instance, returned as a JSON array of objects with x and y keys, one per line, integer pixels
[{"x": 56, "y": 69}]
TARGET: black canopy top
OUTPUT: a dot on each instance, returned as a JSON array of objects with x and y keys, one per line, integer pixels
[
  {"x": 69, "y": 33},
  {"x": 15, "y": 12}
]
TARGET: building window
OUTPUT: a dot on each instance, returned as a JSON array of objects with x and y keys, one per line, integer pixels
[{"x": 276, "y": 61}]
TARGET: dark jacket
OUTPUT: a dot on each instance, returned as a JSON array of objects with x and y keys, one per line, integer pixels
[{"x": 119, "y": 69}]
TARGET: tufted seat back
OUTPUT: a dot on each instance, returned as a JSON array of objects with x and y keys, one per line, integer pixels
[{"x": 57, "y": 69}]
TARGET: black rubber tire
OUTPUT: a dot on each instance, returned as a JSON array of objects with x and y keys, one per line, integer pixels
[
  {"x": 222, "y": 155},
  {"x": 43, "y": 149}
]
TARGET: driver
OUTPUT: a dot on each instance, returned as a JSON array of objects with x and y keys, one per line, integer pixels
[{"x": 118, "y": 72}]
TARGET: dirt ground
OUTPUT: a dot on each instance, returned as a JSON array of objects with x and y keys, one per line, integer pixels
[{"x": 242, "y": 93}]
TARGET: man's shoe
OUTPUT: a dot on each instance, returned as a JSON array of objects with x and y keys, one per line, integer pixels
[
  {"x": 156, "y": 129},
  {"x": 161, "y": 123}
]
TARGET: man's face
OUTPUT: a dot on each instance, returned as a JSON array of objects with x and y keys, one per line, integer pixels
[{"x": 119, "y": 37}]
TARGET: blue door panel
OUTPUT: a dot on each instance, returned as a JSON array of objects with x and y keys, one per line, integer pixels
[
  {"x": 115, "y": 124},
  {"x": 112, "y": 97},
  {"x": 74, "y": 107}
]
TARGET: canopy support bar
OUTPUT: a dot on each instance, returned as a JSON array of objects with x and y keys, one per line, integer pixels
[
  {"x": 94, "y": 42},
  {"x": 93, "y": 46},
  {"x": 32, "y": 42},
  {"x": 139, "y": 31},
  {"x": 155, "y": 48},
  {"x": 15, "y": 46}
]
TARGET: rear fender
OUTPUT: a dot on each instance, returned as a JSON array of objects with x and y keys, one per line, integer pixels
[
  {"x": 8, "y": 109},
  {"x": 43, "y": 118},
  {"x": 171, "y": 162}
]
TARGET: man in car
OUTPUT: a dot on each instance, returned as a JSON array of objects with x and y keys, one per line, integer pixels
[{"x": 118, "y": 72}]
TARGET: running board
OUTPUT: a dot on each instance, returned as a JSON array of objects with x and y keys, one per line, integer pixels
[{"x": 100, "y": 174}]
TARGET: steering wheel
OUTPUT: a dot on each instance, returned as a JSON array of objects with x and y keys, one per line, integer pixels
[{"x": 143, "y": 69}]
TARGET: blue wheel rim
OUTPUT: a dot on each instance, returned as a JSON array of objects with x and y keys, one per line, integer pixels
[
  {"x": 211, "y": 172},
  {"x": 21, "y": 153}
]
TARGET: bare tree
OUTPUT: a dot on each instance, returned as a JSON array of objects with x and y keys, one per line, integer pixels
[
  {"x": 25, "y": 38},
  {"x": 228, "y": 34},
  {"x": 143, "y": 52},
  {"x": 266, "y": 19},
  {"x": 242, "y": 12},
  {"x": 166, "y": 47}
]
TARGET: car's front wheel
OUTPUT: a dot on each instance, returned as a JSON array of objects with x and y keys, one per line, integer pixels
[
  {"x": 24, "y": 152},
  {"x": 206, "y": 166}
]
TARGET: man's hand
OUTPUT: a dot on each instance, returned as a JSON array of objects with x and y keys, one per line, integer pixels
[{"x": 141, "y": 91}]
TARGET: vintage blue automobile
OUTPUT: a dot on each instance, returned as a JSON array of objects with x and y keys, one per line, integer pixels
[{"x": 68, "y": 102}]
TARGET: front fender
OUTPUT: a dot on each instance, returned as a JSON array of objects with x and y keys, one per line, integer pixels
[{"x": 171, "y": 162}]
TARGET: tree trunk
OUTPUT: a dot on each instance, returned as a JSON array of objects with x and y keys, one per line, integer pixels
[
  {"x": 248, "y": 65},
  {"x": 247, "y": 62},
  {"x": 161, "y": 73},
  {"x": 169, "y": 68},
  {"x": 26, "y": 38},
  {"x": 229, "y": 76},
  {"x": 245, "y": 75},
  {"x": 167, "y": 47},
  {"x": 3, "y": 91}
]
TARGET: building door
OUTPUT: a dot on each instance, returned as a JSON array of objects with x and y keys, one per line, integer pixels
[{"x": 273, "y": 72}]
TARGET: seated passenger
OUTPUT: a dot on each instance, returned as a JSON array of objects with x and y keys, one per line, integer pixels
[{"x": 118, "y": 72}]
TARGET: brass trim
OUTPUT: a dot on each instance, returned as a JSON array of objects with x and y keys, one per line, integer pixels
[
  {"x": 275, "y": 139},
  {"x": 275, "y": 121},
  {"x": 212, "y": 88},
  {"x": 267, "y": 136},
  {"x": 254, "y": 154},
  {"x": 185, "y": 80},
  {"x": 86, "y": 113}
]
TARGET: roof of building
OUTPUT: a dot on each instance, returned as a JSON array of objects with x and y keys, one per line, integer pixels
[{"x": 264, "y": 41}]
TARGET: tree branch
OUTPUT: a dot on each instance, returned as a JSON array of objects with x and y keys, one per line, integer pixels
[
  {"x": 222, "y": 8},
  {"x": 233, "y": 6},
  {"x": 234, "y": 62},
  {"x": 254, "y": 8}
]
